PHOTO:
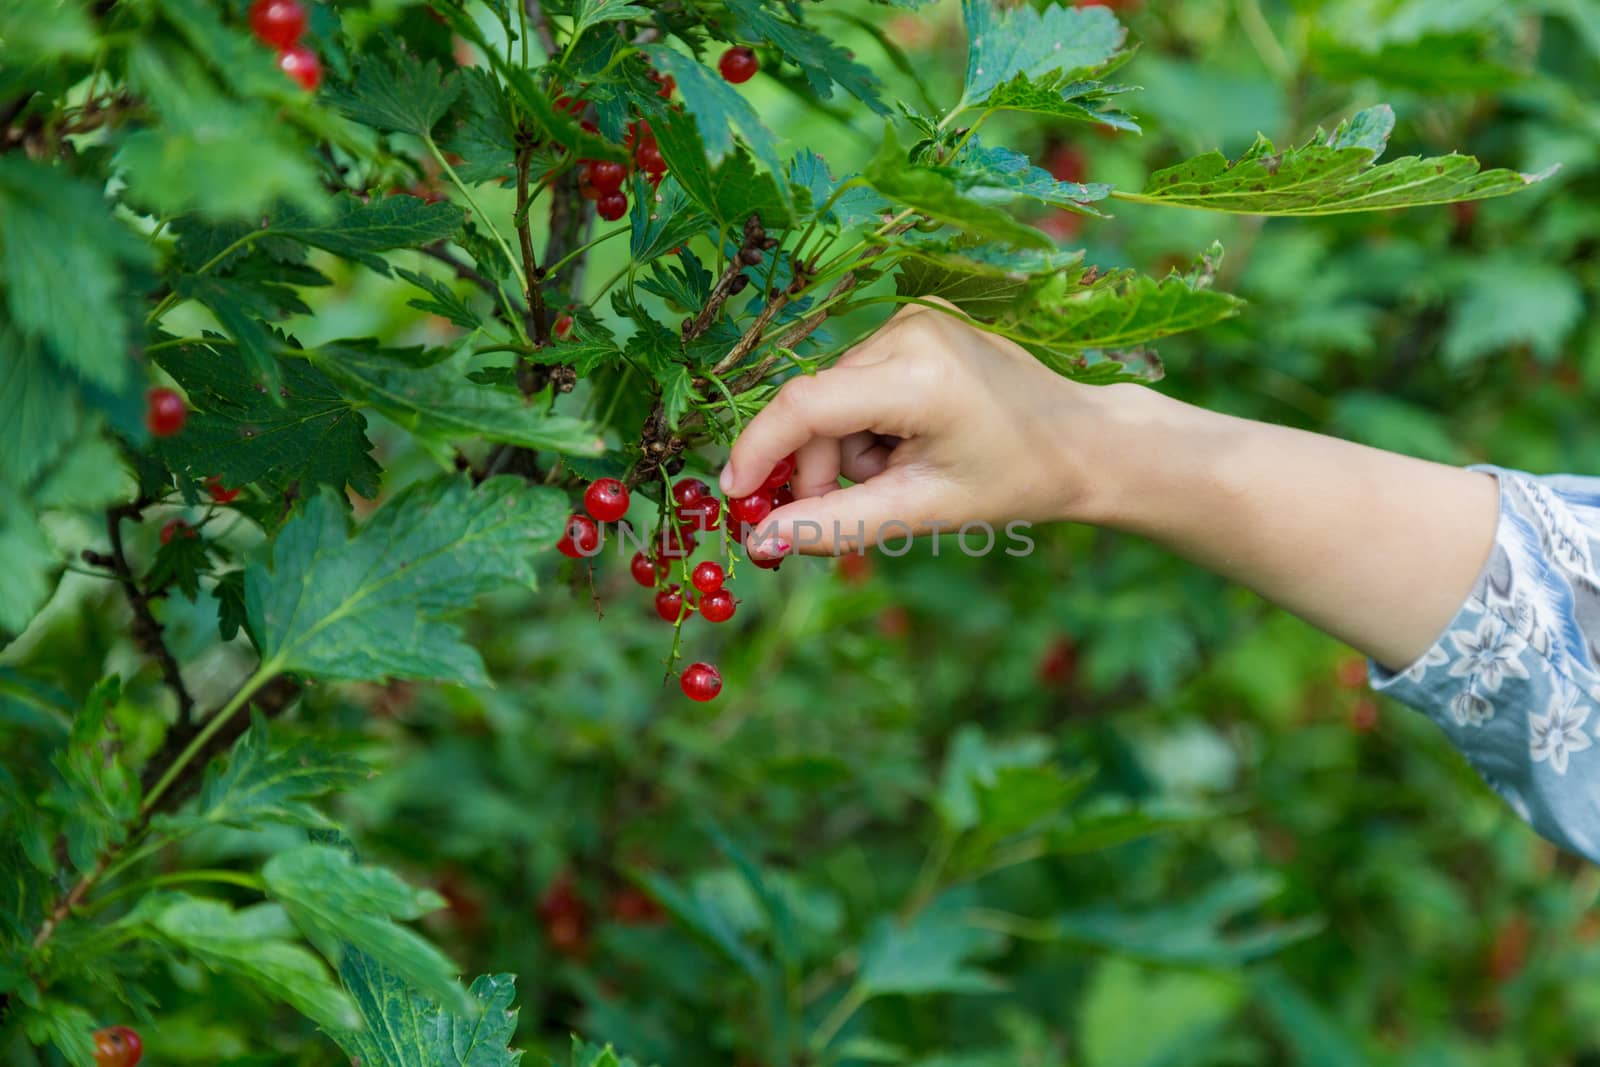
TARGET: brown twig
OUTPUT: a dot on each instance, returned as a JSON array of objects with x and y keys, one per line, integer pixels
[
  {"x": 146, "y": 630},
  {"x": 732, "y": 281},
  {"x": 751, "y": 340},
  {"x": 541, "y": 27},
  {"x": 531, "y": 377}
]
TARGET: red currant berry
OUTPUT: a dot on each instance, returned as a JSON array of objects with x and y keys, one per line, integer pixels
[
  {"x": 670, "y": 604},
  {"x": 563, "y": 327},
  {"x": 175, "y": 528},
  {"x": 278, "y": 23},
  {"x": 219, "y": 492},
  {"x": 607, "y": 175},
  {"x": 738, "y": 64},
  {"x": 117, "y": 1046},
  {"x": 707, "y": 576},
  {"x": 751, "y": 509},
  {"x": 674, "y": 543},
  {"x": 650, "y": 159},
  {"x": 164, "y": 412},
  {"x": 781, "y": 473},
  {"x": 702, "y": 514},
  {"x": 646, "y": 570},
  {"x": 717, "y": 605},
  {"x": 301, "y": 64},
  {"x": 781, "y": 496},
  {"x": 701, "y": 681},
  {"x": 611, "y": 206},
  {"x": 581, "y": 539},
  {"x": 766, "y": 564},
  {"x": 688, "y": 489},
  {"x": 606, "y": 499}
]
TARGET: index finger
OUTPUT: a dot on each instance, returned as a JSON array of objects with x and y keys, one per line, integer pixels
[{"x": 835, "y": 402}]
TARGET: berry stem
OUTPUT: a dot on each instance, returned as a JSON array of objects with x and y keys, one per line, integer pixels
[
  {"x": 478, "y": 212},
  {"x": 146, "y": 629}
]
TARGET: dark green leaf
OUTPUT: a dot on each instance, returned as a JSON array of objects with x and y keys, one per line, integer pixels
[
  {"x": 932, "y": 191},
  {"x": 404, "y": 1029},
  {"x": 824, "y": 62},
  {"x": 400, "y": 93},
  {"x": 360, "y": 231},
  {"x": 1058, "y": 44},
  {"x": 931, "y": 953}
]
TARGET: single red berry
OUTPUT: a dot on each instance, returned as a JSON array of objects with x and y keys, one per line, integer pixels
[
  {"x": 563, "y": 327},
  {"x": 701, "y": 514},
  {"x": 675, "y": 543},
  {"x": 1352, "y": 672},
  {"x": 688, "y": 489},
  {"x": 219, "y": 492},
  {"x": 611, "y": 206},
  {"x": 1059, "y": 664},
  {"x": 781, "y": 496},
  {"x": 670, "y": 604},
  {"x": 650, "y": 159},
  {"x": 607, "y": 175},
  {"x": 164, "y": 412},
  {"x": 717, "y": 605},
  {"x": 707, "y": 576},
  {"x": 751, "y": 509},
  {"x": 278, "y": 23},
  {"x": 301, "y": 64},
  {"x": 646, "y": 570},
  {"x": 1364, "y": 716},
  {"x": 767, "y": 564},
  {"x": 589, "y": 126},
  {"x": 855, "y": 567},
  {"x": 701, "y": 681},
  {"x": 117, "y": 1046},
  {"x": 631, "y": 907},
  {"x": 606, "y": 499},
  {"x": 581, "y": 538},
  {"x": 781, "y": 473},
  {"x": 175, "y": 528},
  {"x": 738, "y": 64},
  {"x": 565, "y": 917}
]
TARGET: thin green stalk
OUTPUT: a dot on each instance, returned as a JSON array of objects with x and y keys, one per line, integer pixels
[
  {"x": 836, "y": 1019},
  {"x": 221, "y": 877},
  {"x": 263, "y": 674},
  {"x": 581, "y": 249},
  {"x": 172, "y": 298},
  {"x": 466, "y": 194},
  {"x": 179, "y": 342}
]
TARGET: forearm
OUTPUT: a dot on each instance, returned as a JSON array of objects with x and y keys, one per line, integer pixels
[{"x": 1377, "y": 549}]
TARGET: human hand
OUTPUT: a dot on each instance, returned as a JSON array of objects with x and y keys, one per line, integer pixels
[{"x": 938, "y": 423}]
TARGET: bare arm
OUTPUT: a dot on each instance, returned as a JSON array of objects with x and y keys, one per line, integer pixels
[{"x": 941, "y": 424}]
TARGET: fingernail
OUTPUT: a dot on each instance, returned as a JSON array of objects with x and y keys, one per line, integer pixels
[
  {"x": 770, "y": 547},
  {"x": 726, "y": 479}
]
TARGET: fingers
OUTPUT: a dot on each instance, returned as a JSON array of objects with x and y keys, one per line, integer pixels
[
  {"x": 834, "y": 403},
  {"x": 843, "y": 520},
  {"x": 863, "y": 456},
  {"x": 816, "y": 467}
]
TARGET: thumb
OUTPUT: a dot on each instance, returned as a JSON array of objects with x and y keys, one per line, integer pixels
[{"x": 889, "y": 506}]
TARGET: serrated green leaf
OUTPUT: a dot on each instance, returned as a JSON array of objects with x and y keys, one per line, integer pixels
[
  {"x": 261, "y": 783},
  {"x": 1204, "y": 932},
  {"x": 825, "y": 63},
  {"x": 71, "y": 299},
  {"x": 1050, "y": 46},
  {"x": 971, "y": 762},
  {"x": 1119, "y": 1029},
  {"x": 931, "y": 953},
  {"x": 1506, "y": 301},
  {"x": 1331, "y": 174},
  {"x": 935, "y": 193},
  {"x": 256, "y": 944},
  {"x": 1076, "y": 101},
  {"x": 377, "y": 603},
  {"x": 239, "y": 312},
  {"x": 180, "y": 562},
  {"x": 404, "y": 1029},
  {"x": 998, "y": 175},
  {"x": 721, "y": 112},
  {"x": 590, "y": 347},
  {"x": 731, "y": 191},
  {"x": 360, "y": 231},
  {"x": 66, "y": 1027},
  {"x": 1114, "y": 311},
  {"x": 587, "y": 1055},
  {"x": 440, "y": 402},
  {"x": 340, "y": 905},
  {"x": 856, "y": 205},
  {"x": 398, "y": 92},
  {"x": 589, "y": 13},
  {"x": 442, "y": 300},
  {"x": 35, "y": 33},
  {"x": 305, "y": 432},
  {"x": 484, "y": 129},
  {"x": 96, "y": 794},
  {"x": 662, "y": 222}
]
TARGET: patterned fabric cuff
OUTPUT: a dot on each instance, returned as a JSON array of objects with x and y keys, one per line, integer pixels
[{"x": 1513, "y": 680}]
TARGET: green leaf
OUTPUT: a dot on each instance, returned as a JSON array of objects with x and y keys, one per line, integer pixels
[
  {"x": 404, "y": 1029},
  {"x": 32, "y": 34},
  {"x": 377, "y": 603},
  {"x": 1435, "y": 63},
  {"x": 96, "y": 794},
  {"x": 971, "y": 763},
  {"x": 854, "y": 206},
  {"x": 1055, "y": 45},
  {"x": 67, "y": 1027},
  {"x": 441, "y": 403},
  {"x": 442, "y": 300},
  {"x": 590, "y": 347},
  {"x": 932, "y": 191},
  {"x": 587, "y": 1055},
  {"x": 720, "y": 111},
  {"x": 483, "y": 130},
  {"x": 257, "y": 944},
  {"x": 260, "y": 783},
  {"x": 239, "y": 311},
  {"x": 305, "y": 432},
  {"x": 340, "y": 905},
  {"x": 1133, "y": 1017},
  {"x": 1505, "y": 301},
  {"x": 930, "y": 953},
  {"x": 825, "y": 63},
  {"x": 731, "y": 191},
  {"x": 71, "y": 299},
  {"x": 662, "y": 223},
  {"x": 700, "y": 914},
  {"x": 1204, "y": 932},
  {"x": 398, "y": 92},
  {"x": 589, "y": 13},
  {"x": 1076, "y": 101},
  {"x": 360, "y": 231},
  {"x": 1331, "y": 174},
  {"x": 999, "y": 175}
]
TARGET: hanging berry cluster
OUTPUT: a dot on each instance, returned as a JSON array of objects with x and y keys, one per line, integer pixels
[
  {"x": 280, "y": 24},
  {"x": 688, "y": 511}
]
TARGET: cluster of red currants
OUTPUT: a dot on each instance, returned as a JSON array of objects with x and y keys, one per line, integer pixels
[
  {"x": 280, "y": 24},
  {"x": 694, "y": 511},
  {"x": 117, "y": 1046}
]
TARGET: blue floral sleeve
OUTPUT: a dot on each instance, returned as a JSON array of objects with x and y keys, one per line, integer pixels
[{"x": 1516, "y": 675}]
